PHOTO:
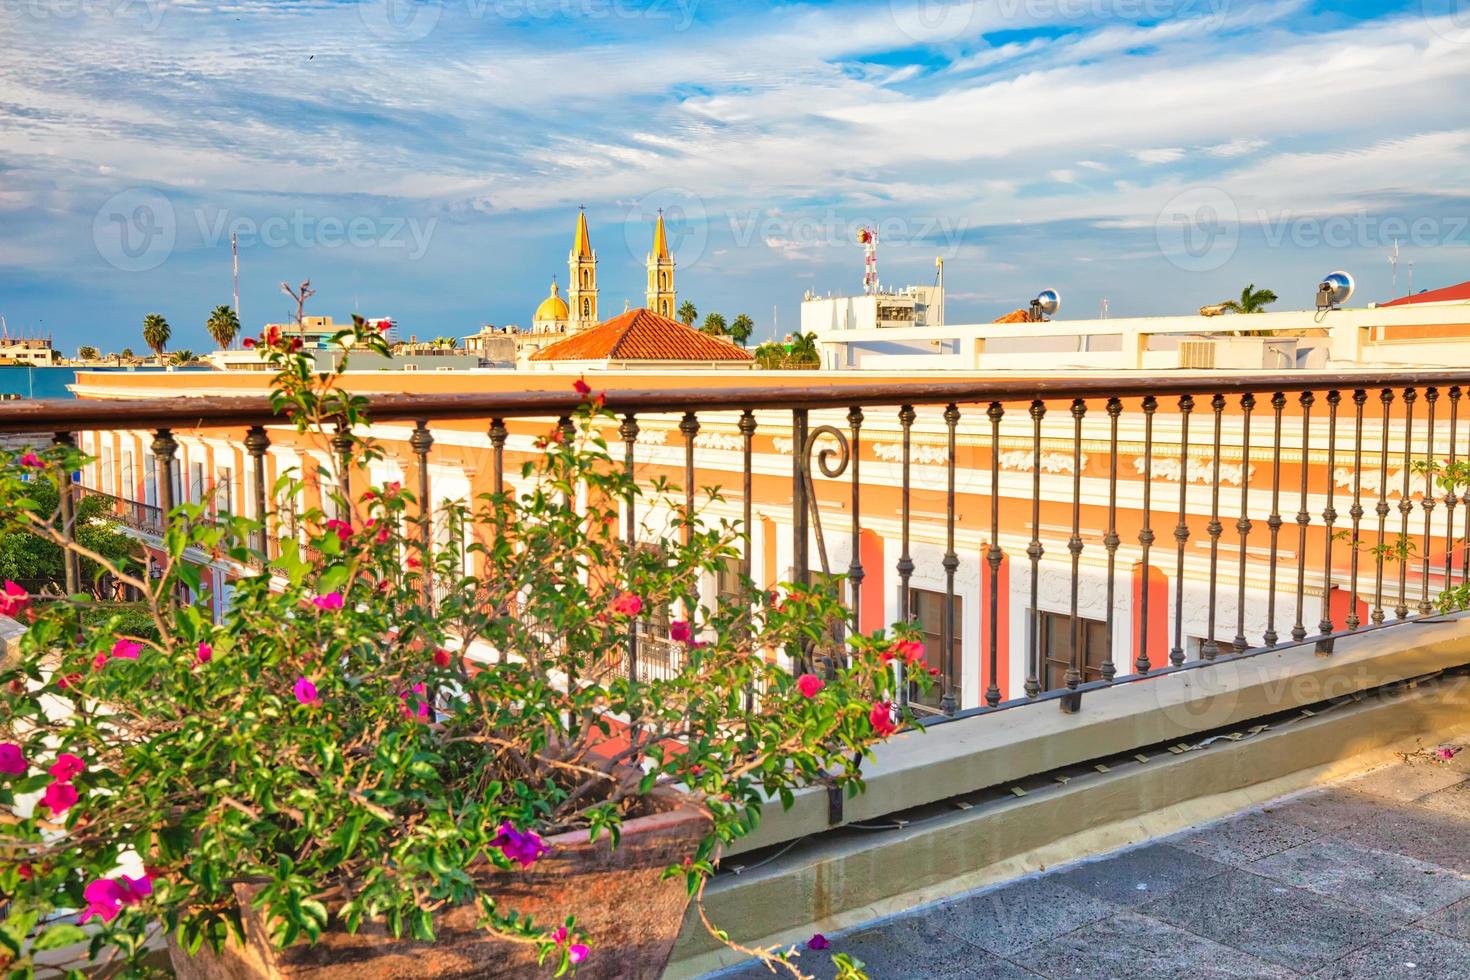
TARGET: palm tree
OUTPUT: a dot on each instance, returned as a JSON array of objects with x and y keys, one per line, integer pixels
[
  {"x": 804, "y": 352},
  {"x": 87, "y": 354},
  {"x": 156, "y": 333},
  {"x": 1252, "y": 300},
  {"x": 687, "y": 313},
  {"x": 126, "y": 352},
  {"x": 741, "y": 328},
  {"x": 223, "y": 325},
  {"x": 714, "y": 325},
  {"x": 181, "y": 357},
  {"x": 770, "y": 355}
]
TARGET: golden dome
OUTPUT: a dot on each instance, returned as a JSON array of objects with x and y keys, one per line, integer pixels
[{"x": 552, "y": 307}]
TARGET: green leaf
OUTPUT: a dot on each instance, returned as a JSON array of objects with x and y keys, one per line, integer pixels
[{"x": 62, "y": 934}]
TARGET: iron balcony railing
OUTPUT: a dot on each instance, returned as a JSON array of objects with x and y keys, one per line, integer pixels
[{"x": 1357, "y": 461}]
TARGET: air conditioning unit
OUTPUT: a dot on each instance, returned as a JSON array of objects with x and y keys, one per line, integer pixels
[{"x": 1238, "y": 353}]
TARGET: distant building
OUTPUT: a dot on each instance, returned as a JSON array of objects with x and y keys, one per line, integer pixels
[
  {"x": 641, "y": 339},
  {"x": 911, "y": 306},
  {"x": 30, "y": 351}
]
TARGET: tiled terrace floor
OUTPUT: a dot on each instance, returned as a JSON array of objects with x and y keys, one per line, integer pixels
[{"x": 1369, "y": 878}]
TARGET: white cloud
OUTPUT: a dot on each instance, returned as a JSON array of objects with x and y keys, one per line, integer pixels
[{"x": 1159, "y": 155}]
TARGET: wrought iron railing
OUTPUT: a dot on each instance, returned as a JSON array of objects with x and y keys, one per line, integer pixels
[{"x": 1098, "y": 472}]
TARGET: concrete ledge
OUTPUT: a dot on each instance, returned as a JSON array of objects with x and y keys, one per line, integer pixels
[
  {"x": 848, "y": 876},
  {"x": 999, "y": 748}
]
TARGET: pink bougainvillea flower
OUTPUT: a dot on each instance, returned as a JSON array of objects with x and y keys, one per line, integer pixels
[
  {"x": 1446, "y": 752},
  {"x": 32, "y": 460},
  {"x": 581, "y": 387},
  {"x": 809, "y": 685},
  {"x": 59, "y": 797},
  {"x": 305, "y": 691},
  {"x": 368, "y": 495},
  {"x": 392, "y": 487},
  {"x": 523, "y": 848},
  {"x": 105, "y": 897},
  {"x": 818, "y": 941},
  {"x": 881, "y": 718},
  {"x": 384, "y": 326},
  {"x": 126, "y": 649},
  {"x": 99, "y": 661},
  {"x": 414, "y": 562},
  {"x": 66, "y": 767},
  {"x": 442, "y": 657},
  {"x": 627, "y": 604},
  {"x": 332, "y": 600},
  {"x": 248, "y": 343},
  {"x": 12, "y": 759},
  {"x": 383, "y": 531},
  {"x": 578, "y": 952},
  {"x": 14, "y": 600},
  {"x": 421, "y": 710},
  {"x": 342, "y": 529},
  {"x": 205, "y": 653},
  {"x": 70, "y": 680},
  {"x": 679, "y": 631},
  {"x": 910, "y": 650}
]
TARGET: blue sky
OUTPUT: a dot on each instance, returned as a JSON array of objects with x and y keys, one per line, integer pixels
[{"x": 425, "y": 160}]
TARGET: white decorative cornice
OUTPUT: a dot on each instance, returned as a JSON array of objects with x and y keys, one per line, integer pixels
[
  {"x": 653, "y": 437},
  {"x": 717, "y": 440},
  {"x": 918, "y": 452},
  {"x": 1201, "y": 470},
  {"x": 1023, "y": 461},
  {"x": 783, "y": 445}
]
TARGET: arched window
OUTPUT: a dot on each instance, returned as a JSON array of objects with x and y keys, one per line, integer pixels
[
  {"x": 586, "y": 308},
  {"x": 663, "y": 281}
]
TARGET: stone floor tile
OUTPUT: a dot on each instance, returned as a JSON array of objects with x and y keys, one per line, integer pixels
[
  {"x": 1404, "y": 954},
  {"x": 1141, "y": 948},
  {"x": 1326, "y": 811},
  {"x": 1405, "y": 781},
  {"x": 1244, "y": 839},
  {"x": 1452, "y": 920},
  {"x": 1140, "y": 875},
  {"x": 905, "y": 948},
  {"x": 1269, "y": 920},
  {"x": 1417, "y": 832},
  {"x": 1453, "y": 800},
  {"x": 1005, "y": 920},
  {"x": 1380, "y": 881}
]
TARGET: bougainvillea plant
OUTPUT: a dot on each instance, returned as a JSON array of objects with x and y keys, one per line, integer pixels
[{"x": 384, "y": 708}]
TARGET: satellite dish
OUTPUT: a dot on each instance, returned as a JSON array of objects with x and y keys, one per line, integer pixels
[
  {"x": 1045, "y": 304},
  {"x": 1334, "y": 290}
]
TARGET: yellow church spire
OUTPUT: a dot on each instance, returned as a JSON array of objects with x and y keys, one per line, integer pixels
[
  {"x": 582, "y": 289},
  {"x": 582, "y": 247},
  {"x": 661, "y": 295},
  {"x": 660, "y": 240}
]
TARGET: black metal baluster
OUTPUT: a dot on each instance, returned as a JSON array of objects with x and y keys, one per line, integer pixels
[
  {"x": 1278, "y": 404},
  {"x": 1329, "y": 513},
  {"x": 1303, "y": 519},
  {"x": 1243, "y": 525},
  {"x": 256, "y": 444},
  {"x": 342, "y": 446},
  {"x": 164, "y": 448},
  {"x": 421, "y": 441},
  {"x": 1073, "y": 701},
  {"x": 906, "y": 416},
  {"x": 689, "y": 426},
  {"x": 1406, "y": 504},
  {"x": 1431, "y": 396},
  {"x": 498, "y": 436},
  {"x": 1181, "y": 530},
  {"x": 948, "y": 699},
  {"x": 747, "y": 560},
  {"x": 993, "y": 555},
  {"x": 1110, "y": 539},
  {"x": 1209, "y": 648},
  {"x": 628, "y": 429},
  {"x": 1360, "y": 397},
  {"x": 1450, "y": 499},
  {"x": 855, "y": 566},
  {"x": 1385, "y": 396},
  {"x": 1146, "y": 534},
  {"x": 1034, "y": 551},
  {"x": 67, "y": 494}
]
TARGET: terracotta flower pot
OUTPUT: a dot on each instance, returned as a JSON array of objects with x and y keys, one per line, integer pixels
[{"x": 630, "y": 914}]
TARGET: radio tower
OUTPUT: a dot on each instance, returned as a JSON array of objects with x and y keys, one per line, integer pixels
[{"x": 868, "y": 239}]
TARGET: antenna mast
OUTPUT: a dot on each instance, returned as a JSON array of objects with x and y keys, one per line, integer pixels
[
  {"x": 868, "y": 238},
  {"x": 1393, "y": 261}
]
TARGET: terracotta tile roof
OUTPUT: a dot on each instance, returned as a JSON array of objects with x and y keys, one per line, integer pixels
[
  {"x": 1449, "y": 294},
  {"x": 1015, "y": 316},
  {"x": 642, "y": 335}
]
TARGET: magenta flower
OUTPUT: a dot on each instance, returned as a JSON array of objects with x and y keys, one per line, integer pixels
[
  {"x": 881, "y": 718},
  {"x": 524, "y": 848},
  {"x": 205, "y": 653},
  {"x": 1446, "y": 752},
  {"x": 627, "y": 604},
  {"x": 305, "y": 692},
  {"x": 809, "y": 685},
  {"x": 818, "y": 941},
  {"x": 332, "y": 600},
  {"x": 66, "y": 768},
  {"x": 342, "y": 529},
  {"x": 14, "y": 600},
  {"x": 578, "y": 952},
  {"x": 59, "y": 797},
  {"x": 32, "y": 460},
  {"x": 581, "y": 387},
  {"x": 679, "y": 631},
  {"x": 106, "y": 896},
  {"x": 12, "y": 759},
  {"x": 560, "y": 936},
  {"x": 422, "y": 709},
  {"x": 126, "y": 650}
]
